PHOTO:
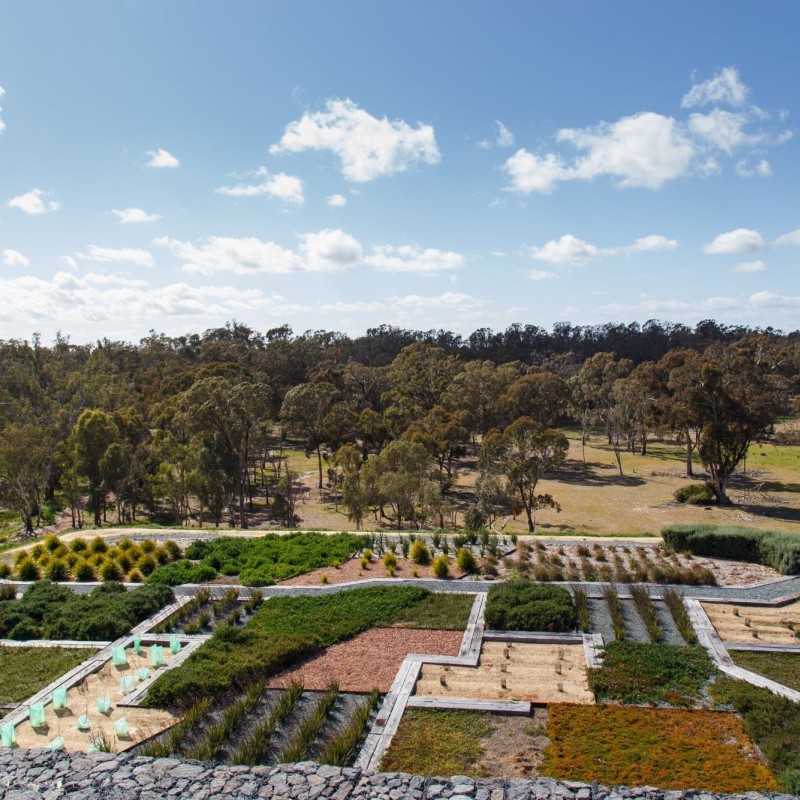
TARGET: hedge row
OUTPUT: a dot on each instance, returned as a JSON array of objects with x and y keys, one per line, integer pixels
[
  {"x": 775, "y": 549},
  {"x": 526, "y": 606}
]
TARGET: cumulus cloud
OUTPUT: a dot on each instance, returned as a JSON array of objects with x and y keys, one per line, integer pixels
[
  {"x": 768, "y": 299},
  {"x": 725, "y": 87},
  {"x": 540, "y": 275},
  {"x": 329, "y": 250},
  {"x": 367, "y": 147},
  {"x": 336, "y": 200},
  {"x": 793, "y": 237},
  {"x": 741, "y": 240},
  {"x": 747, "y": 267},
  {"x": 288, "y": 188},
  {"x": 654, "y": 305},
  {"x": 753, "y": 168},
  {"x": 70, "y": 299},
  {"x": 648, "y": 149},
  {"x": 570, "y": 249},
  {"x": 115, "y": 255},
  {"x": 162, "y": 159},
  {"x": 2, "y": 124},
  {"x": 13, "y": 258},
  {"x": 35, "y": 201},
  {"x": 130, "y": 216},
  {"x": 242, "y": 256},
  {"x": 412, "y": 258}
]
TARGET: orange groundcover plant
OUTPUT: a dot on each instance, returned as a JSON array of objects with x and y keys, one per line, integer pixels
[{"x": 664, "y": 747}]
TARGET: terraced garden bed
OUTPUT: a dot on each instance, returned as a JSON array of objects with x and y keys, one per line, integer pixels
[
  {"x": 784, "y": 668},
  {"x": 756, "y": 624},
  {"x": 26, "y": 670}
]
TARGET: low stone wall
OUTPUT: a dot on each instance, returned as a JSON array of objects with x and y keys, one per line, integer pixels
[{"x": 43, "y": 775}]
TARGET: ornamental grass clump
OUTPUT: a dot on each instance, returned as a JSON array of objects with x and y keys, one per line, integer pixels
[
  {"x": 341, "y": 748},
  {"x": 581, "y": 600},
  {"x": 465, "y": 560},
  {"x": 419, "y": 553},
  {"x": 614, "y": 604},
  {"x": 674, "y": 601},
  {"x": 306, "y": 734},
  {"x": 647, "y": 611}
]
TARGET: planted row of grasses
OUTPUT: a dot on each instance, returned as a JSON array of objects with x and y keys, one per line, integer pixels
[
  {"x": 647, "y": 611},
  {"x": 305, "y": 736},
  {"x": 341, "y": 748}
]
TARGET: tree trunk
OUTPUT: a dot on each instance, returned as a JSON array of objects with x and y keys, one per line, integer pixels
[
  {"x": 722, "y": 492},
  {"x": 689, "y": 470},
  {"x": 319, "y": 463},
  {"x": 644, "y": 444}
]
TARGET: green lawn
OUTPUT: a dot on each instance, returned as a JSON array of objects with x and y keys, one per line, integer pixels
[
  {"x": 445, "y": 612},
  {"x": 781, "y": 667},
  {"x": 26, "y": 670}
]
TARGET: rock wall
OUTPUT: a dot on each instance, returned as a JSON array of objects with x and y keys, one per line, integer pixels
[{"x": 43, "y": 775}]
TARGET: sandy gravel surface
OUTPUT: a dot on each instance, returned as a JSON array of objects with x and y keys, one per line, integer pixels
[
  {"x": 370, "y": 660},
  {"x": 351, "y": 571},
  {"x": 753, "y": 624}
]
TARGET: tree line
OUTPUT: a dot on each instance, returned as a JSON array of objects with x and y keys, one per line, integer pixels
[{"x": 194, "y": 428}]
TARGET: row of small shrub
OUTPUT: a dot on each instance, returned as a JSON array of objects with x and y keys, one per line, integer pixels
[
  {"x": 775, "y": 549},
  {"x": 520, "y": 605},
  {"x": 280, "y": 633},
  {"x": 85, "y": 561},
  {"x": 49, "y": 611}
]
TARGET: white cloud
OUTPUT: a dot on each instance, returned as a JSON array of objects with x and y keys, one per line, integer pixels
[
  {"x": 367, "y": 147},
  {"x": 162, "y": 159},
  {"x": 70, "y": 262},
  {"x": 114, "y": 255},
  {"x": 408, "y": 306},
  {"x": 485, "y": 144},
  {"x": 723, "y": 129},
  {"x": 540, "y": 275},
  {"x": 571, "y": 250},
  {"x": 768, "y": 299},
  {"x": 34, "y": 202},
  {"x": 84, "y": 300},
  {"x": 793, "y": 237},
  {"x": 129, "y": 216},
  {"x": 741, "y": 240},
  {"x": 753, "y": 168},
  {"x": 654, "y": 305},
  {"x": 747, "y": 267},
  {"x": 648, "y": 149},
  {"x": 725, "y": 87},
  {"x": 412, "y": 258},
  {"x": 288, "y": 188},
  {"x": 241, "y": 256},
  {"x": 504, "y": 136},
  {"x": 336, "y": 200},
  {"x": 13, "y": 258},
  {"x": 329, "y": 250},
  {"x": 2, "y": 124}
]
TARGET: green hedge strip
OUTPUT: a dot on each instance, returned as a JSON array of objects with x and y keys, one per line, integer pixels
[{"x": 776, "y": 549}]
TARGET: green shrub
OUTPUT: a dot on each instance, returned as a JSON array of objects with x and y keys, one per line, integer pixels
[
  {"x": 440, "y": 566},
  {"x": 5, "y": 570},
  {"x": 389, "y": 560},
  {"x": 465, "y": 560},
  {"x": 52, "y": 542},
  {"x": 110, "y": 571},
  {"x": 173, "y": 549},
  {"x": 57, "y": 570},
  {"x": 180, "y": 572},
  {"x": 419, "y": 553},
  {"x": 637, "y": 673},
  {"x": 775, "y": 549},
  {"x": 696, "y": 494},
  {"x": 523, "y": 605},
  {"x": 78, "y": 545},
  {"x": 27, "y": 571},
  {"x": 84, "y": 572},
  {"x": 98, "y": 545}
]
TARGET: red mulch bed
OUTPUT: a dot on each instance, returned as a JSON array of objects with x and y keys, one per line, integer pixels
[{"x": 370, "y": 660}]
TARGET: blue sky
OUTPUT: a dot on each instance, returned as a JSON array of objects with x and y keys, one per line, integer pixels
[{"x": 173, "y": 165}]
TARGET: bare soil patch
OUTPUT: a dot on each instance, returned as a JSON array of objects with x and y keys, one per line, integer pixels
[
  {"x": 756, "y": 624},
  {"x": 539, "y": 673},
  {"x": 514, "y": 748},
  {"x": 351, "y": 571},
  {"x": 82, "y": 699},
  {"x": 368, "y": 661}
]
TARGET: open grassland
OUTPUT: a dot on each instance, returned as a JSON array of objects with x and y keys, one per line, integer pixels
[
  {"x": 669, "y": 748},
  {"x": 27, "y": 670},
  {"x": 781, "y": 667}
]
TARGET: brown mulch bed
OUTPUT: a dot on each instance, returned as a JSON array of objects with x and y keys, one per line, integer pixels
[
  {"x": 370, "y": 660},
  {"x": 351, "y": 571}
]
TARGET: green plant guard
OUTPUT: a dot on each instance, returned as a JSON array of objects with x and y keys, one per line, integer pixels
[
  {"x": 36, "y": 715},
  {"x": 118, "y": 656},
  {"x": 96, "y": 746},
  {"x": 104, "y": 704},
  {"x": 121, "y": 727},
  {"x": 57, "y": 743},
  {"x": 137, "y": 645},
  {"x": 156, "y": 655},
  {"x": 60, "y": 697},
  {"x": 126, "y": 684},
  {"x": 7, "y": 735},
  {"x": 174, "y": 645},
  {"x": 83, "y": 723},
  {"x": 143, "y": 673}
]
